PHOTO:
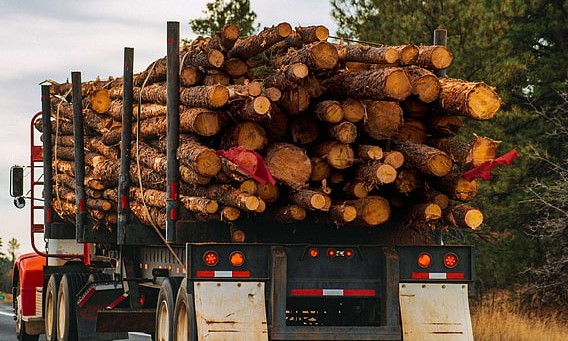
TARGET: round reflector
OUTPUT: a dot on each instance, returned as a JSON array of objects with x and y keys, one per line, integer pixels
[
  {"x": 210, "y": 258},
  {"x": 451, "y": 260},
  {"x": 424, "y": 260},
  {"x": 237, "y": 258},
  {"x": 313, "y": 253},
  {"x": 331, "y": 252},
  {"x": 348, "y": 253}
]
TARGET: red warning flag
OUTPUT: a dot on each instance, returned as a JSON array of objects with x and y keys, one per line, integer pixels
[
  {"x": 484, "y": 171},
  {"x": 250, "y": 163}
]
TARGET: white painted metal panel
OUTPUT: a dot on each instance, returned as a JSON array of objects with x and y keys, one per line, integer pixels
[
  {"x": 435, "y": 312},
  {"x": 230, "y": 311}
]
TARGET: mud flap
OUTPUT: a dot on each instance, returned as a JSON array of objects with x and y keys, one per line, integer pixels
[
  {"x": 435, "y": 311},
  {"x": 230, "y": 311}
]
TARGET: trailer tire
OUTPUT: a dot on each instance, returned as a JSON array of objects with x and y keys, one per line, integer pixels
[
  {"x": 69, "y": 286},
  {"x": 184, "y": 315},
  {"x": 164, "y": 326},
  {"x": 21, "y": 333},
  {"x": 50, "y": 307}
]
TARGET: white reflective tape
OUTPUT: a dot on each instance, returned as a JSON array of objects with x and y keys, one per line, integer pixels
[
  {"x": 224, "y": 274},
  {"x": 437, "y": 275},
  {"x": 332, "y": 292}
]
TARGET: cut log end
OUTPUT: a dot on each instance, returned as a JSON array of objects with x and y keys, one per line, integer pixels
[
  {"x": 483, "y": 102},
  {"x": 216, "y": 58},
  {"x": 325, "y": 56},
  {"x": 441, "y": 58},
  {"x": 440, "y": 165},
  {"x": 284, "y": 29},
  {"x": 208, "y": 163},
  {"x": 219, "y": 96},
  {"x": 398, "y": 85}
]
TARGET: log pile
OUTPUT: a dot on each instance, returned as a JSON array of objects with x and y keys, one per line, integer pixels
[{"x": 352, "y": 134}]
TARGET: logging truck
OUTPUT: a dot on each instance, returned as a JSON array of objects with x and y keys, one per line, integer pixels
[{"x": 135, "y": 242}]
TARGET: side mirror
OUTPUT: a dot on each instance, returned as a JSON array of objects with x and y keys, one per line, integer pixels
[{"x": 16, "y": 181}]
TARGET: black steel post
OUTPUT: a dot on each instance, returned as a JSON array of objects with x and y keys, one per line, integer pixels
[
  {"x": 440, "y": 38},
  {"x": 172, "y": 203},
  {"x": 125, "y": 145},
  {"x": 80, "y": 195},
  {"x": 47, "y": 160}
]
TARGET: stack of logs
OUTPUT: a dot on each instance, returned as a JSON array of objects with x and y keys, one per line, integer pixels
[{"x": 351, "y": 133}]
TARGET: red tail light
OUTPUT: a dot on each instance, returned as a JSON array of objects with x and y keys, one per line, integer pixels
[
  {"x": 313, "y": 253},
  {"x": 237, "y": 258},
  {"x": 451, "y": 260},
  {"x": 210, "y": 258},
  {"x": 331, "y": 252},
  {"x": 424, "y": 260}
]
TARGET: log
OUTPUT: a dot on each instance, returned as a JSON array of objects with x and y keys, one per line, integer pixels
[
  {"x": 375, "y": 173},
  {"x": 100, "y": 100},
  {"x": 318, "y": 56},
  {"x": 394, "y": 158},
  {"x": 249, "y": 47},
  {"x": 199, "y": 204},
  {"x": 463, "y": 216},
  {"x": 289, "y": 214},
  {"x": 206, "y": 96},
  {"x": 320, "y": 169},
  {"x": 235, "y": 67},
  {"x": 408, "y": 54},
  {"x": 342, "y": 214},
  {"x": 344, "y": 132},
  {"x": 425, "y": 84},
  {"x": 329, "y": 111},
  {"x": 455, "y": 186},
  {"x": 353, "y": 110},
  {"x": 202, "y": 54},
  {"x": 384, "y": 119},
  {"x": 338, "y": 155},
  {"x": 244, "y": 91},
  {"x": 434, "y": 57},
  {"x": 303, "y": 35},
  {"x": 311, "y": 200},
  {"x": 356, "y": 190},
  {"x": 273, "y": 94},
  {"x": 148, "y": 215},
  {"x": 245, "y": 134},
  {"x": 428, "y": 160},
  {"x": 276, "y": 129},
  {"x": 444, "y": 125},
  {"x": 216, "y": 78},
  {"x": 371, "y": 211},
  {"x": 225, "y": 38},
  {"x": 475, "y": 100},
  {"x": 406, "y": 180},
  {"x": 383, "y": 84},
  {"x": 201, "y": 121},
  {"x": 414, "y": 107},
  {"x": 304, "y": 130},
  {"x": 289, "y": 164},
  {"x": 483, "y": 149},
  {"x": 367, "y": 54},
  {"x": 190, "y": 76},
  {"x": 369, "y": 152},
  {"x": 295, "y": 100},
  {"x": 227, "y": 195},
  {"x": 412, "y": 130},
  {"x": 459, "y": 151},
  {"x": 287, "y": 76},
  {"x": 426, "y": 212},
  {"x": 268, "y": 192}
]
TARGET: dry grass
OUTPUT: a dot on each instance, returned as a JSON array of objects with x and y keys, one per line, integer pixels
[{"x": 502, "y": 320}]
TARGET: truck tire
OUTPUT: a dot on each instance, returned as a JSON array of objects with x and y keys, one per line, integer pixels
[
  {"x": 184, "y": 315},
  {"x": 21, "y": 326},
  {"x": 69, "y": 286},
  {"x": 165, "y": 309},
  {"x": 50, "y": 307}
]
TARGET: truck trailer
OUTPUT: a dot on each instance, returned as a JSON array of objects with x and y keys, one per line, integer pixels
[{"x": 203, "y": 280}]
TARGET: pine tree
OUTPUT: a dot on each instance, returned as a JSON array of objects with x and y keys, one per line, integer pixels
[{"x": 222, "y": 12}]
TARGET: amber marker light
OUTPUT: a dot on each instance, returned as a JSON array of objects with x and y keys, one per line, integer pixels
[
  {"x": 451, "y": 260},
  {"x": 424, "y": 260},
  {"x": 210, "y": 258},
  {"x": 237, "y": 258}
]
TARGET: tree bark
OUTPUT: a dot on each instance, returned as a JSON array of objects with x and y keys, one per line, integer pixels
[
  {"x": 371, "y": 211},
  {"x": 428, "y": 160},
  {"x": 463, "y": 216},
  {"x": 287, "y": 77},
  {"x": 318, "y": 56},
  {"x": 456, "y": 187},
  {"x": 249, "y": 47},
  {"x": 474, "y": 100},
  {"x": 311, "y": 200},
  {"x": 425, "y": 84},
  {"x": 376, "y": 173},
  {"x": 384, "y": 84},
  {"x": 367, "y": 54},
  {"x": 434, "y": 57}
]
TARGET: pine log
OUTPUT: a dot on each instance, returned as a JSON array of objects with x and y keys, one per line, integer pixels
[
  {"x": 249, "y": 186},
  {"x": 406, "y": 181},
  {"x": 353, "y": 110},
  {"x": 371, "y": 211},
  {"x": 414, "y": 107},
  {"x": 216, "y": 77},
  {"x": 96, "y": 145},
  {"x": 456, "y": 187},
  {"x": 289, "y": 164},
  {"x": 408, "y": 54},
  {"x": 337, "y": 154},
  {"x": 444, "y": 125},
  {"x": 355, "y": 190},
  {"x": 425, "y": 84},
  {"x": 203, "y": 54},
  {"x": 288, "y": 214},
  {"x": 463, "y": 216},
  {"x": 475, "y": 100},
  {"x": 342, "y": 214},
  {"x": 244, "y": 91},
  {"x": 375, "y": 173},
  {"x": 329, "y": 111},
  {"x": 459, "y": 151},
  {"x": 201, "y": 121},
  {"x": 428, "y": 160},
  {"x": 273, "y": 94},
  {"x": 235, "y": 67},
  {"x": 394, "y": 158},
  {"x": 99, "y": 100},
  {"x": 384, "y": 119},
  {"x": 207, "y": 96},
  {"x": 412, "y": 130},
  {"x": 313, "y": 86},
  {"x": 295, "y": 100},
  {"x": 369, "y": 152},
  {"x": 311, "y": 200},
  {"x": 483, "y": 149},
  {"x": 428, "y": 194},
  {"x": 303, "y": 35},
  {"x": 318, "y": 56},
  {"x": 190, "y": 76},
  {"x": 227, "y": 195},
  {"x": 320, "y": 169},
  {"x": 249, "y": 47},
  {"x": 226, "y": 37},
  {"x": 384, "y": 84},
  {"x": 268, "y": 192},
  {"x": 287, "y": 77},
  {"x": 426, "y": 212},
  {"x": 434, "y": 57},
  {"x": 344, "y": 132},
  {"x": 199, "y": 204},
  {"x": 304, "y": 130},
  {"x": 148, "y": 215},
  {"x": 245, "y": 134},
  {"x": 367, "y": 54}
]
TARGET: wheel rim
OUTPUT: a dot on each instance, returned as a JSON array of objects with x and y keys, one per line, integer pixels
[
  {"x": 18, "y": 317},
  {"x": 49, "y": 315},
  {"x": 163, "y": 322},
  {"x": 182, "y": 323},
  {"x": 61, "y": 312}
]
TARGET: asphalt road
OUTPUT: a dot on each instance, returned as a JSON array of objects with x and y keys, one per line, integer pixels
[{"x": 8, "y": 326}]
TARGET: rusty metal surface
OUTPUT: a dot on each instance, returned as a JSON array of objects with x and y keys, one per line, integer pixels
[
  {"x": 230, "y": 311},
  {"x": 436, "y": 312}
]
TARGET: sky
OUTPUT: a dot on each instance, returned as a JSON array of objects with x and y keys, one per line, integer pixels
[{"x": 47, "y": 40}]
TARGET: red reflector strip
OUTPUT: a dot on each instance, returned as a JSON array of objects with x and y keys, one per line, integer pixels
[
  {"x": 438, "y": 275},
  {"x": 117, "y": 301},
  {"x": 223, "y": 274},
  {"x": 85, "y": 298},
  {"x": 334, "y": 292}
]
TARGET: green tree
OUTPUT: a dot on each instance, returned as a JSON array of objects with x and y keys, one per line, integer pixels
[
  {"x": 222, "y": 12},
  {"x": 13, "y": 247}
]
